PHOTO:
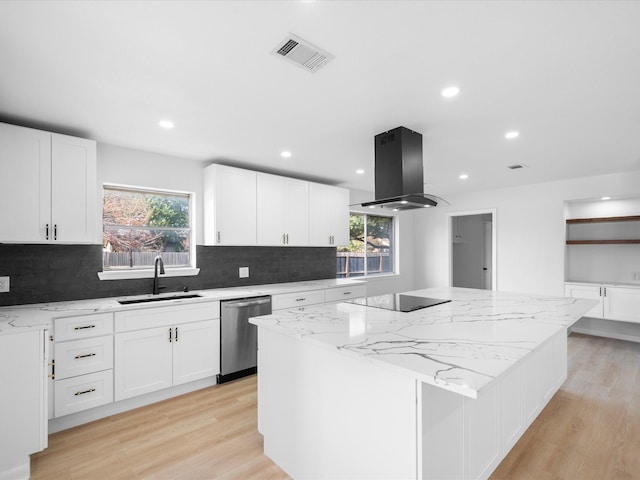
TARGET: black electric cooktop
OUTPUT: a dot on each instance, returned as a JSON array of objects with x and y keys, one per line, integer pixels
[{"x": 398, "y": 302}]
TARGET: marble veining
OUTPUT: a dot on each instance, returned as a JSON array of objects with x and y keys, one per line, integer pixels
[{"x": 461, "y": 345}]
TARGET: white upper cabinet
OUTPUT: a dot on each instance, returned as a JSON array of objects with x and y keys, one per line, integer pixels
[
  {"x": 243, "y": 207},
  {"x": 328, "y": 215},
  {"x": 283, "y": 217},
  {"x": 48, "y": 187},
  {"x": 74, "y": 209},
  {"x": 229, "y": 206}
]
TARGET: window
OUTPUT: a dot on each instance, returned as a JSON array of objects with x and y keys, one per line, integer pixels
[
  {"x": 371, "y": 247},
  {"x": 139, "y": 224}
]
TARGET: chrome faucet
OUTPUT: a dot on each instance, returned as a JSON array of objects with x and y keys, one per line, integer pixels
[{"x": 156, "y": 262}]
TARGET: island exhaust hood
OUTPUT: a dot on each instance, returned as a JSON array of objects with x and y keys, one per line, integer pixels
[{"x": 398, "y": 172}]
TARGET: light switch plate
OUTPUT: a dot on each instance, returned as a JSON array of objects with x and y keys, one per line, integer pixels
[
  {"x": 243, "y": 272},
  {"x": 4, "y": 284}
]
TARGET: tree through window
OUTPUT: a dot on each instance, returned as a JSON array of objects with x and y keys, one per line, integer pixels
[
  {"x": 371, "y": 247},
  {"x": 140, "y": 224}
]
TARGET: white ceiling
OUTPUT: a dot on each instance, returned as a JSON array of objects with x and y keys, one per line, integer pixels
[{"x": 565, "y": 74}]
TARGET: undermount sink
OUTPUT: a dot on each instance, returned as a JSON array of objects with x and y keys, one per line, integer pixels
[{"x": 157, "y": 299}]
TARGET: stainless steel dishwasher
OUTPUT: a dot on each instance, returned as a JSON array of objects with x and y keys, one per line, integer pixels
[{"x": 239, "y": 338}]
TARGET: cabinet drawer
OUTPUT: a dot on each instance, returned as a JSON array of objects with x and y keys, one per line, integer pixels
[
  {"x": 70, "y": 328},
  {"x": 78, "y": 357},
  {"x": 80, "y": 393},
  {"x": 344, "y": 293},
  {"x": 298, "y": 299},
  {"x": 150, "y": 317}
]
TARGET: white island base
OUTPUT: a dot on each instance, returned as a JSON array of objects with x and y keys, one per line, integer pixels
[{"x": 326, "y": 414}]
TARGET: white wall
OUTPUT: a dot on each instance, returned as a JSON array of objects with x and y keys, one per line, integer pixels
[
  {"x": 146, "y": 169},
  {"x": 530, "y": 231}
]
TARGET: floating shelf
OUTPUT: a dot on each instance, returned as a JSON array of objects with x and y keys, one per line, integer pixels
[
  {"x": 604, "y": 241},
  {"x": 631, "y": 218}
]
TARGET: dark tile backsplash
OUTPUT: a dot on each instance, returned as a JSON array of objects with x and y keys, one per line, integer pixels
[{"x": 51, "y": 273}]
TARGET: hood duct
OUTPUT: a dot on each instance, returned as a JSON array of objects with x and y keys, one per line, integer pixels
[{"x": 399, "y": 172}]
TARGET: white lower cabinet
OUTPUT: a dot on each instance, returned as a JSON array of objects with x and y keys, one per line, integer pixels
[
  {"x": 83, "y": 363},
  {"x": 155, "y": 358},
  {"x": 315, "y": 297},
  {"x": 344, "y": 293},
  {"x": 76, "y": 394},
  {"x": 23, "y": 401},
  {"x": 297, "y": 299},
  {"x": 615, "y": 302}
]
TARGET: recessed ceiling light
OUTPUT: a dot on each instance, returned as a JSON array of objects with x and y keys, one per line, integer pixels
[
  {"x": 511, "y": 135},
  {"x": 285, "y": 154},
  {"x": 605, "y": 198},
  {"x": 168, "y": 124},
  {"x": 450, "y": 92},
  {"x": 360, "y": 171},
  {"x": 464, "y": 176}
]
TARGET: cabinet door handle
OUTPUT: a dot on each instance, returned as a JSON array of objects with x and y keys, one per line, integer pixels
[
  {"x": 84, "y": 326},
  {"x": 287, "y": 238},
  {"x": 55, "y": 231},
  {"x": 85, "y": 355},
  {"x": 218, "y": 237},
  {"x": 176, "y": 334},
  {"x": 91, "y": 390},
  {"x": 346, "y": 293},
  {"x": 170, "y": 335},
  {"x": 46, "y": 232},
  {"x": 604, "y": 291},
  {"x": 284, "y": 239},
  {"x": 300, "y": 299}
]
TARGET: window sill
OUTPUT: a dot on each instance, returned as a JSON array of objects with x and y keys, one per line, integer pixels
[{"x": 130, "y": 274}]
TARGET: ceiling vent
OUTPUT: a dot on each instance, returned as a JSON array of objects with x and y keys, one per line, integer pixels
[{"x": 302, "y": 53}]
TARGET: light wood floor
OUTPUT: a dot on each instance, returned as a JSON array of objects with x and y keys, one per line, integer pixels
[{"x": 589, "y": 430}]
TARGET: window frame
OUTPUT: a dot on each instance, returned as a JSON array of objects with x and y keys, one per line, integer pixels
[
  {"x": 393, "y": 248},
  {"x": 148, "y": 272}
]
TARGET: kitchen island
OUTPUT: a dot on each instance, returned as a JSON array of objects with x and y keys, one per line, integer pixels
[{"x": 354, "y": 391}]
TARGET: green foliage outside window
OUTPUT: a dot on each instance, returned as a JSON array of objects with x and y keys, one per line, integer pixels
[{"x": 137, "y": 225}]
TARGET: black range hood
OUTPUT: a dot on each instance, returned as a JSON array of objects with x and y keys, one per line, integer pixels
[{"x": 398, "y": 172}]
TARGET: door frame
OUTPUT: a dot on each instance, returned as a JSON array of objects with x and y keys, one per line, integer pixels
[{"x": 494, "y": 241}]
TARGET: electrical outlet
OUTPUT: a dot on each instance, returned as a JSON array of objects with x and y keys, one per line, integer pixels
[
  {"x": 4, "y": 284},
  {"x": 243, "y": 272}
]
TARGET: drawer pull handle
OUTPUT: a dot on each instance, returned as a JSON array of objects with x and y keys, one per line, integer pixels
[
  {"x": 346, "y": 293},
  {"x": 85, "y": 355},
  {"x": 84, "y": 327},
  {"x": 300, "y": 299},
  {"x": 91, "y": 390}
]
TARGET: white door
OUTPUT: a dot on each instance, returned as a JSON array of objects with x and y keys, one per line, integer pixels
[
  {"x": 487, "y": 257},
  {"x": 339, "y": 216},
  {"x": 622, "y": 304},
  {"x": 196, "y": 351},
  {"x": 296, "y": 212},
  {"x": 319, "y": 229},
  {"x": 235, "y": 206},
  {"x": 143, "y": 362},
  {"x": 590, "y": 292},
  {"x": 75, "y": 209},
  {"x": 271, "y": 209},
  {"x": 25, "y": 184}
]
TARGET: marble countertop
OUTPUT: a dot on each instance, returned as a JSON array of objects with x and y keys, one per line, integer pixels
[
  {"x": 39, "y": 316},
  {"x": 459, "y": 346}
]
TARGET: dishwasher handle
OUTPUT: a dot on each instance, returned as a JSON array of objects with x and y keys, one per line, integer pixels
[{"x": 245, "y": 303}]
